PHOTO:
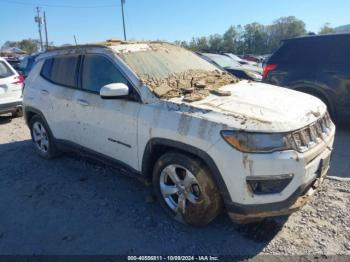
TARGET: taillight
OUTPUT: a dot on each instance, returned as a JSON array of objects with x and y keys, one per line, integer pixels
[
  {"x": 268, "y": 68},
  {"x": 19, "y": 79}
]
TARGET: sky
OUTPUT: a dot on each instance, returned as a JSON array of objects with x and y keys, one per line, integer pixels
[{"x": 97, "y": 20}]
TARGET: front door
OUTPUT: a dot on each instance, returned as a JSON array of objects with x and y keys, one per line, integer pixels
[{"x": 106, "y": 126}]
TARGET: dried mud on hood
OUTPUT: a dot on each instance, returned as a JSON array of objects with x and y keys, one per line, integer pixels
[
  {"x": 193, "y": 85},
  {"x": 171, "y": 71}
]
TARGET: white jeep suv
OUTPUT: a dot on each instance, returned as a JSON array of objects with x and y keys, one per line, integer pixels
[{"x": 206, "y": 139}]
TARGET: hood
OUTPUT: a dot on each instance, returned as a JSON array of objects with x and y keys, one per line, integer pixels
[{"x": 261, "y": 107}]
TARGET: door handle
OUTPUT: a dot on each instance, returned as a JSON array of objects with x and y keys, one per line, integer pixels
[
  {"x": 83, "y": 102},
  {"x": 44, "y": 91}
]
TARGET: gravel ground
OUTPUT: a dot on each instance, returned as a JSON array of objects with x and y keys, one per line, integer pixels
[{"x": 73, "y": 206}]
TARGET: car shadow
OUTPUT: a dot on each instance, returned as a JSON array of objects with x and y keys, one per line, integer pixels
[
  {"x": 71, "y": 205},
  {"x": 4, "y": 119}
]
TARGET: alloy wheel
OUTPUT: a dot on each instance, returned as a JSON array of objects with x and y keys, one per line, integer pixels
[
  {"x": 179, "y": 187},
  {"x": 40, "y": 137}
]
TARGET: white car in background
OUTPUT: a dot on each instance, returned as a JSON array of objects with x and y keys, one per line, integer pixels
[
  {"x": 240, "y": 60},
  {"x": 204, "y": 137},
  {"x": 11, "y": 86},
  {"x": 247, "y": 72}
]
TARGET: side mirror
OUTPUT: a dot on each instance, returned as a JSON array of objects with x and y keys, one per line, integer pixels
[{"x": 114, "y": 90}]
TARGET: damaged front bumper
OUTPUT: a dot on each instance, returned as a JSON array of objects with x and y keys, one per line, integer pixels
[{"x": 251, "y": 213}]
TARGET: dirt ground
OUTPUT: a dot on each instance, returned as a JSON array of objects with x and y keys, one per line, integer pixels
[{"x": 72, "y": 206}]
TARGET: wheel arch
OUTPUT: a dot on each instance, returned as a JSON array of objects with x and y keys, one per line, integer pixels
[
  {"x": 156, "y": 147},
  {"x": 318, "y": 91},
  {"x": 30, "y": 112}
]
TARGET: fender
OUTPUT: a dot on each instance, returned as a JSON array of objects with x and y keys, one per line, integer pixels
[{"x": 147, "y": 163}]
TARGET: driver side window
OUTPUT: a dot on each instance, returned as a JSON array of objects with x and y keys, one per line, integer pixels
[{"x": 98, "y": 71}]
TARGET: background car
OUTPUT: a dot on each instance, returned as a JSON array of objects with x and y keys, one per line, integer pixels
[
  {"x": 317, "y": 65},
  {"x": 11, "y": 85},
  {"x": 26, "y": 64},
  {"x": 233, "y": 67},
  {"x": 250, "y": 57},
  {"x": 240, "y": 60},
  {"x": 13, "y": 61}
]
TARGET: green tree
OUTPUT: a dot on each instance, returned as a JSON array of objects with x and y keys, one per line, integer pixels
[
  {"x": 252, "y": 38},
  {"x": 326, "y": 29},
  {"x": 229, "y": 40},
  {"x": 255, "y": 38},
  {"x": 215, "y": 43},
  {"x": 28, "y": 45},
  {"x": 284, "y": 28}
]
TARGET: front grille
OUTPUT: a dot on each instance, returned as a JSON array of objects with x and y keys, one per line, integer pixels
[{"x": 313, "y": 134}]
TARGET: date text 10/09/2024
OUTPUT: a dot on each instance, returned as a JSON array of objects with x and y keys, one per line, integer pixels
[{"x": 173, "y": 258}]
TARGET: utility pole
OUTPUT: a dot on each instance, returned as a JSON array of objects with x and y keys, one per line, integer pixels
[
  {"x": 38, "y": 20},
  {"x": 45, "y": 26},
  {"x": 122, "y": 4}
]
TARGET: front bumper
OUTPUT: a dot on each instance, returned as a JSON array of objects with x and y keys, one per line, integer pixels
[
  {"x": 243, "y": 205},
  {"x": 247, "y": 214}
]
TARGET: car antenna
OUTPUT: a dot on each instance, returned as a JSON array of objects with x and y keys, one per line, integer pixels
[{"x": 75, "y": 40}]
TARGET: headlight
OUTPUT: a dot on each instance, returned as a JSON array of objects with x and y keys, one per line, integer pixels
[{"x": 257, "y": 142}]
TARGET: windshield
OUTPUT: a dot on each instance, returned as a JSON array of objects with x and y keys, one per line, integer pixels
[
  {"x": 161, "y": 60},
  {"x": 172, "y": 71},
  {"x": 223, "y": 61}
]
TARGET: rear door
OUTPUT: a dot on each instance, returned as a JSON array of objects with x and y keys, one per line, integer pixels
[
  {"x": 106, "y": 126},
  {"x": 59, "y": 80},
  {"x": 10, "y": 84}
]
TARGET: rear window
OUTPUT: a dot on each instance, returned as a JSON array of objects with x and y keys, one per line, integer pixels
[
  {"x": 5, "y": 70},
  {"x": 61, "y": 70}
]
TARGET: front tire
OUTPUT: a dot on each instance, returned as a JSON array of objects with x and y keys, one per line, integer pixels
[
  {"x": 186, "y": 190},
  {"x": 42, "y": 138}
]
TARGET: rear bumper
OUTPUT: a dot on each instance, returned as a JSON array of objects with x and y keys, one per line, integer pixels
[
  {"x": 10, "y": 106},
  {"x": 245, "y": 214}
]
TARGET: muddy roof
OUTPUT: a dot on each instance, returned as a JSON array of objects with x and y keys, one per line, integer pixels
[{"x": 106, "y": 44}]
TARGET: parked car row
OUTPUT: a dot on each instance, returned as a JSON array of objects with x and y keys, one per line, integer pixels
[
  {"x": 188, "y": 122},
  {"x": 236, "y": 67}
]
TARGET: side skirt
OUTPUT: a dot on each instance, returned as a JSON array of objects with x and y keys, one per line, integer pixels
[{"x": 67, "y": 146}]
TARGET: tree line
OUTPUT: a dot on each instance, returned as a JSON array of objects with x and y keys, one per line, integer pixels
[{"x": 253, "y": 38}]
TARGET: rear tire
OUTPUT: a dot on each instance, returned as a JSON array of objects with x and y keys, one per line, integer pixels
[
  {"x": 42, "y": 138},
  {"x": 17, "y": 113},
  {"x": 186, "y": 190}
]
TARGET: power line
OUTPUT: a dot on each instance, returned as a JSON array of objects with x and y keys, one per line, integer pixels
[{"x": 58, "y": 6}]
